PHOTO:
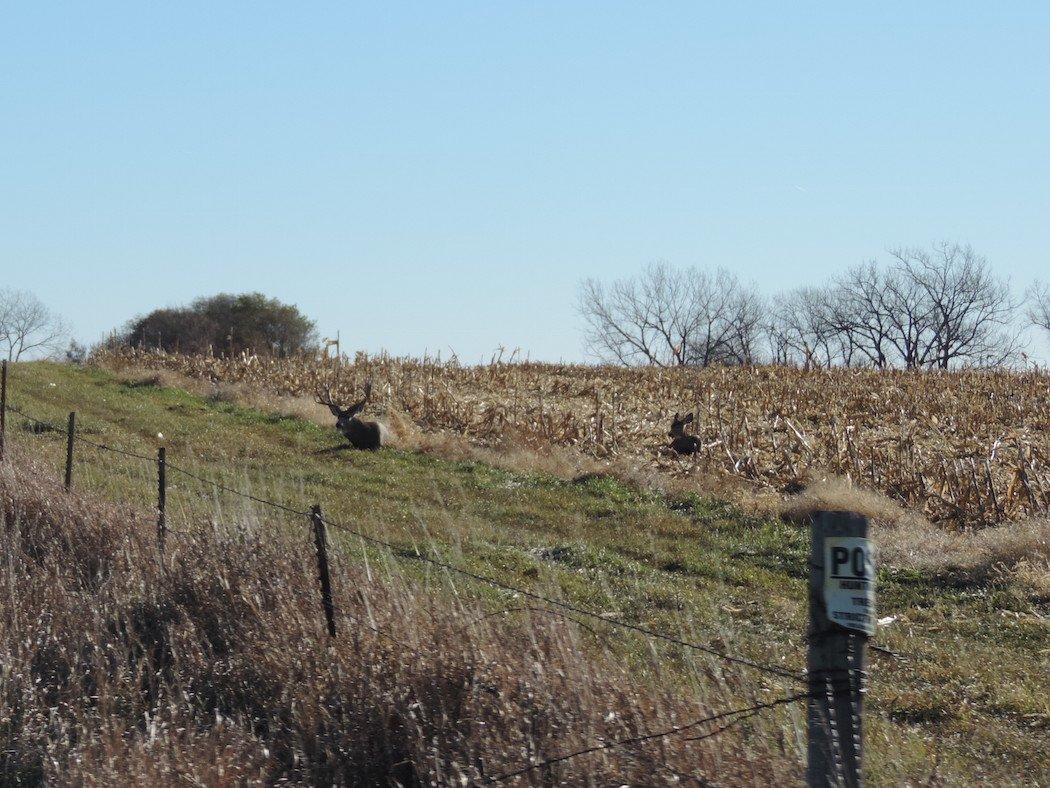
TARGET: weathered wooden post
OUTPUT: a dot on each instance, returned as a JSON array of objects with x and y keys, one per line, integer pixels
[
  {"x": 321, "y": 540},
  {"x": 3, "y": 406},
  {"x": 162, "y": 525},
  {"x": 841, "y": 617},
  {"x": 70, "y": 432}
]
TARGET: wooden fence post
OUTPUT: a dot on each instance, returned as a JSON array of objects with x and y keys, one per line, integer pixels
[
  {"x": 321, "y": 540},
  {"x": 841, "y": 617},
  {"x": 162, "y": 525},
  {"x": 3, "y": 406},
  {"x": 70, "y": 431}
]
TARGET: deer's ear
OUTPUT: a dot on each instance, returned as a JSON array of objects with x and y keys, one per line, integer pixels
[
  {"x": 676, "y": 416},
  {"x": 335, "y": 411},
  {"x": 689, "y": 418}
]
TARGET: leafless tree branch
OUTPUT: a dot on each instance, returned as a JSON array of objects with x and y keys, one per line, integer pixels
[
  {"x": 672, "y": 317},
  {"x": 27, "y": 325},
  {"x": 1039, "y": 306}
]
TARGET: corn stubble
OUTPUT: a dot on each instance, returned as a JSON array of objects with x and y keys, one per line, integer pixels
[{"x": 966, "y": 448}]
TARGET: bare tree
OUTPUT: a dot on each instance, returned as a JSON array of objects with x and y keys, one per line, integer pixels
[
  {"x": 937, "y": 307},
  {"x": 963, "y": 312},
  {"x": 727, "y": 316},
  {"x": 1039, "y": 306},
  {"x": 671, "y": 317},
  {"x": 859, "y": 310},
  {"x": 911, "y": 318},
  {"x": 27, "y": 325},
  {"x": 802, "y": 329},
  {"x": 930, "y": 308},
  {"x": 643, "y": 320},
  {"x": 748, "y": 320}
]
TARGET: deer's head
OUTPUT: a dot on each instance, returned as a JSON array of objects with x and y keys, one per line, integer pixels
[
  {"x": 678, "y": 424},
  {"x": 344, "y": 416}
]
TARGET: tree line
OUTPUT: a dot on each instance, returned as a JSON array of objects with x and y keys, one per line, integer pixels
[
  {"x": 222, "y": 324},
  {"x": 940, "y": 307},
  {"x": 934, "y": 308}
]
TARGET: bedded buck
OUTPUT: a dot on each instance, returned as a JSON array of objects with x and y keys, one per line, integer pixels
[
  {"x": 361, "y": 434},
  {"x": 680, "y": 442}
]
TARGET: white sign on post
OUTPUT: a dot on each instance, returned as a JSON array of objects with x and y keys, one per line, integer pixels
[{"x": 849, "y": 582}]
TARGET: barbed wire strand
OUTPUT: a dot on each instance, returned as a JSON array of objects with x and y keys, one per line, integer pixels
[
  {"x": 80, "y": 439},
  {"x": 740, "y": 715},
  {"x": 274, "y": 504},
  {"x": 25, "y": 415},
  {"x": 399, "y": 552},
  {"x": 114, "y": 449}
]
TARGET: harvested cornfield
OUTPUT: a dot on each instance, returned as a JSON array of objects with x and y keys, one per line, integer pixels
[{"x": 967, "y": 448}]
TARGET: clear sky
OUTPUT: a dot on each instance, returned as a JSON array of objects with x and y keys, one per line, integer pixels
[{"x": 433, "y": 174}]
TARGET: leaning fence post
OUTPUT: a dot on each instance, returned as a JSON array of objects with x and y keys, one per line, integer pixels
[
  {"x": 3, "y": 406},
  {"x": 321, "y": 540},
  {"x": 162, "y": 526},
  {"x": 70, "y": 431},
  {"x": 841, "y": 617}
]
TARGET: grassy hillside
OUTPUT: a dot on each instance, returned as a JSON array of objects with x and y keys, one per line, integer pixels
[{"x": 965, "y": 701}]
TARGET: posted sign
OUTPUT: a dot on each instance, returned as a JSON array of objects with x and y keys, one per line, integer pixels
[{"x": 849, "y": 582}]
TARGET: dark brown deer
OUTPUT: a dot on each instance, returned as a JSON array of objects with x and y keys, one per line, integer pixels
[
  {"x": 361, "y": 434},
  {"x": 680, "y": 442}
]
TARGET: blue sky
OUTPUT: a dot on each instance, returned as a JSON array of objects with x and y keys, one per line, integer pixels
[{"x": 435, "y": 175}]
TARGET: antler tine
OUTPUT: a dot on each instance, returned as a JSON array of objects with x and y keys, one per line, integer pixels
[
  {"x": 358, "y": 406},
  {"x": 324, "y": 395}
]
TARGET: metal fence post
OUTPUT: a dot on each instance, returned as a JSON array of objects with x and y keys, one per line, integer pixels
[
  {"x": 162, "y": 526},
  {"x": 321, "y": 540},
  {"x": 841, "y": 617},
  {"x": 70, "y": 431},
  {"x": 3, "y": 406}
]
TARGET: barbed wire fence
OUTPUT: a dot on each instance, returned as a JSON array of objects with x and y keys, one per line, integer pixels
[{"x": 836, "y": 679}]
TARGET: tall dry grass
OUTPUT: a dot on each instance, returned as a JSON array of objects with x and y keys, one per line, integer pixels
[
  {"x": 210, "y": 665},
  {"x": 967, "y": 448},
  {"x": 1018, "y": 553}
]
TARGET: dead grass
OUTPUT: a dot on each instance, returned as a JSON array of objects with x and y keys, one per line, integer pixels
[
  {"x": 1016, "y": 551},
  {"x": 832, "y": 493},
  {"x": 209, "y": 665}
]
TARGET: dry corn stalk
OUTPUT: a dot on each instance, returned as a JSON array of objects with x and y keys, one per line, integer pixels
[{"x": 967, "y": 447}]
